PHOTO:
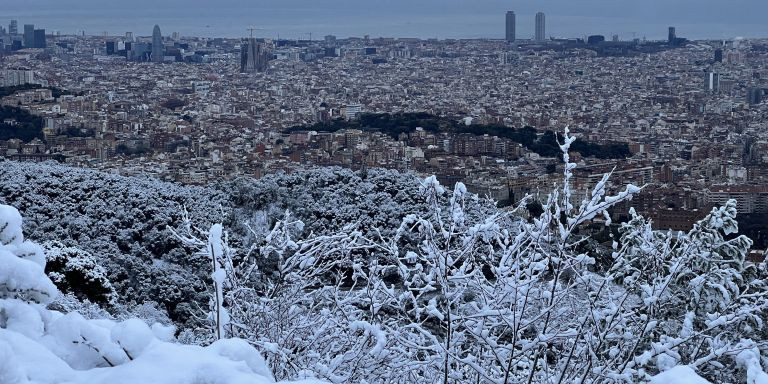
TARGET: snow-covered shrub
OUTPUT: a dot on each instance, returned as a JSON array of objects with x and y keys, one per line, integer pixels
[
  {"x": 78, "y": 272},
  {"x": 452, "y": 297},
  {"x": 21, "y": 264},
  {"x": 42, "y": 346}
]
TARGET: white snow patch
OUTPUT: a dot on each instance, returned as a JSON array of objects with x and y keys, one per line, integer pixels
[{"x": 680, "y": 374}]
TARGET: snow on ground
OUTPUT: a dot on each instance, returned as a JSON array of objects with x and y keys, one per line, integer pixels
[
  {"x": 232, "y": 361},
  {"x": 680, "y": 374}
]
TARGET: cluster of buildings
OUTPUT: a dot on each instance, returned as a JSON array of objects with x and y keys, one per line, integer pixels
[
  {"x": 14, "y": 39},
  {"x": 510, "y": 31},
  {"x": 597, "y": 43},
  {"x": 693, "y": 115}
]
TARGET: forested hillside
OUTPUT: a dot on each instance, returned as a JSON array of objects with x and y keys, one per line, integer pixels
[{"x": 120, "y": 224}]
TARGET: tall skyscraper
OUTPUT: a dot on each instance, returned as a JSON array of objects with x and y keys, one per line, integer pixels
[
  {"x": 13, "y": 27},
  {"x": 158, "y": 50},
  {"x": 254, "y": 56},
  {"x": 712, "y": 82},
  {"x": 718, "y": 55},
  {"x": 510, "y": 35},
  {"x": 39, "y": 38},
  {"x": 540, "y": 35},
  {"x": 672, "y": 35},
  {"x": 29, "y": 35}
]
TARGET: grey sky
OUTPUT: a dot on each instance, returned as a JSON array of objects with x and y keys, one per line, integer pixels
[{"x": 420, "y": 18}]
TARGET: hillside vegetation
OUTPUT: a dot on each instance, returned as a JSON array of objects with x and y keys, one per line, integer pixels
[{"x": 372, "y": 276}]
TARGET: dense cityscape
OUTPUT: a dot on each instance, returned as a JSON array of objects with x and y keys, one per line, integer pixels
[
  {"x": 151, "y": 123},
  {"x": 195, "y": 110}
]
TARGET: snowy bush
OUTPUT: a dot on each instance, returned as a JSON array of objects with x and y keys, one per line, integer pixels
[
  {"x": 452, "y": 297},
  {"x": 78, "y": 272},
  {"x": 413, "y": 284},
  {"x": 41, "y": 346}
]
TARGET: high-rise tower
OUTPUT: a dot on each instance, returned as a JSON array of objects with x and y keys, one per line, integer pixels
[
  {"x": 38, "y": 38},
  {"x": 672, "y": 35},
  {"x": 540, "y": 35},
  {"x": 29, "y": 35},
  {"x": 712, "y": 82},
  {"x": 510, "y": 35},
  {"x": 13, "y": 27},
  {"x": 158, "y": 50}
]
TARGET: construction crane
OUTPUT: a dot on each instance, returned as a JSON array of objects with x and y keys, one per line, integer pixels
[
  {"x": 252, "y": 28},
  {"x": 306, "y": 34},
  {"x": 634, "y": 34}
]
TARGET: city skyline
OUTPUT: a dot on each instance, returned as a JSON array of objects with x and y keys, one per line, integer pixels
[{"x": 453, "y": 19}]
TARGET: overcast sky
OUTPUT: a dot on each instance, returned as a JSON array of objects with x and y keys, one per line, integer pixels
[{"x": 418, "y": 18}]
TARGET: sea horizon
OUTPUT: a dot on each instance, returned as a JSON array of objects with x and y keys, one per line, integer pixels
[{"x": 291, "y": 22}]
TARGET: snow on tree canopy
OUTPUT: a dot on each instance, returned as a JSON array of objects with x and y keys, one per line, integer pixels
[{"x": 123, "y": 222}]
